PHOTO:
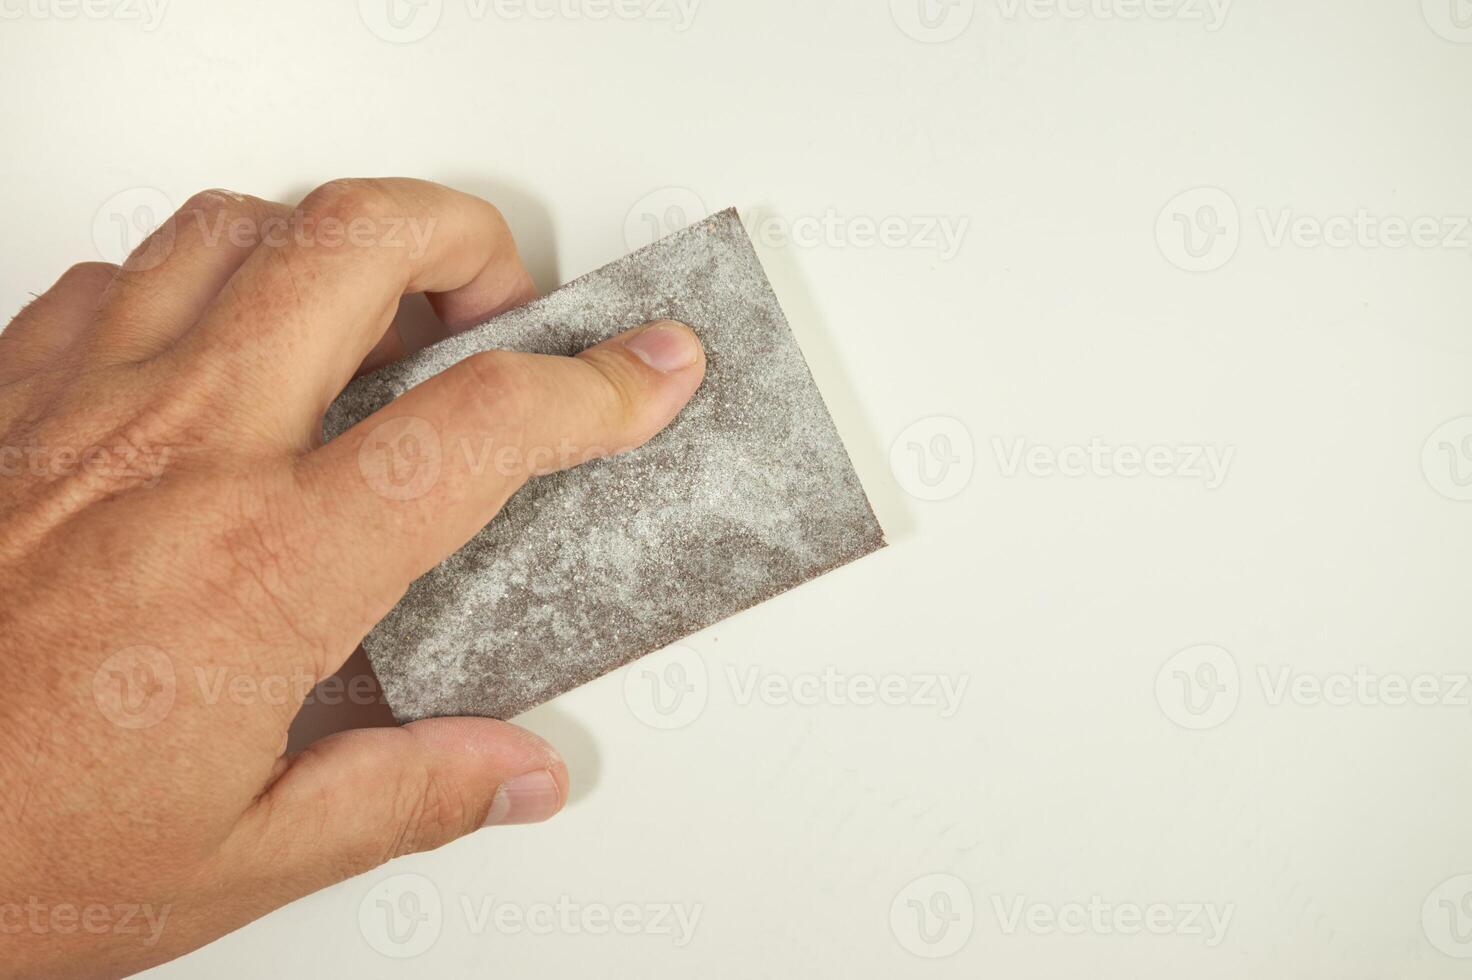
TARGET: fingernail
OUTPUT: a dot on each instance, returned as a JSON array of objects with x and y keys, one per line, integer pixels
[
  {"x": 529, "y": 798},
  {"x": 665, "y": 346}
]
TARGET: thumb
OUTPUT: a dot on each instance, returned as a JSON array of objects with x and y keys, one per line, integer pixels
[
  {"x": 355, "y": 800},
  {"x": 415, "y": 480}
]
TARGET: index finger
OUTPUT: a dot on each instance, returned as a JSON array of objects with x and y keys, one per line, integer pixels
[{"x": 306, "y": 308}]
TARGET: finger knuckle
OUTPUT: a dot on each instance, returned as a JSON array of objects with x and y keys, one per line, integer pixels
[
  {"x": 495, "y": 385},
  {"x": 622, "y": 394},
  {"x": 429, "y": 813},
  {"x": 214, "y": 219},
  {"x": 85, "y": 274},
  {"x": 348, "y": 197},
  {"x": 496, "y": 220},
  {"x": 491, "y": 371},
  {"x": 211, "y": 202},
  {"x": 508, "y": 400}
]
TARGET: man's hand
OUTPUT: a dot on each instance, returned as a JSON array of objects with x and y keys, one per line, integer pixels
[{"x": 181, "y": 558}]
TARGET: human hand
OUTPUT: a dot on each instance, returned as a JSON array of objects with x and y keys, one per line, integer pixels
[{"x": 181, "y": 559}]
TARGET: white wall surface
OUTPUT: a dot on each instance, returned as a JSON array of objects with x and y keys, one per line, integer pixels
[{"x": 1177, "y": 690}]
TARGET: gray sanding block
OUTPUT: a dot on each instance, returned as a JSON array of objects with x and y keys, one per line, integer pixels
[{"x": 748, "y": 493}]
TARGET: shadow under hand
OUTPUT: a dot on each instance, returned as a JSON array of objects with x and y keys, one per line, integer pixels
[
  {"x": 573, "y": 741},
  {"x": 352, "y": 698},
  {"x": 348, "y": 700}
]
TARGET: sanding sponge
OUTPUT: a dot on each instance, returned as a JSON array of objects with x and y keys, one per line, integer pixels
[{"x": 748, "y": 493}]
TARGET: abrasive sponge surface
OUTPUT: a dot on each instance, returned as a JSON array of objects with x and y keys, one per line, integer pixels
[{"x": 748, "y": 493}]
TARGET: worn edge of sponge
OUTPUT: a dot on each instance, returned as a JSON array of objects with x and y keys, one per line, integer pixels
[{"x": 388, "y": 383}]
